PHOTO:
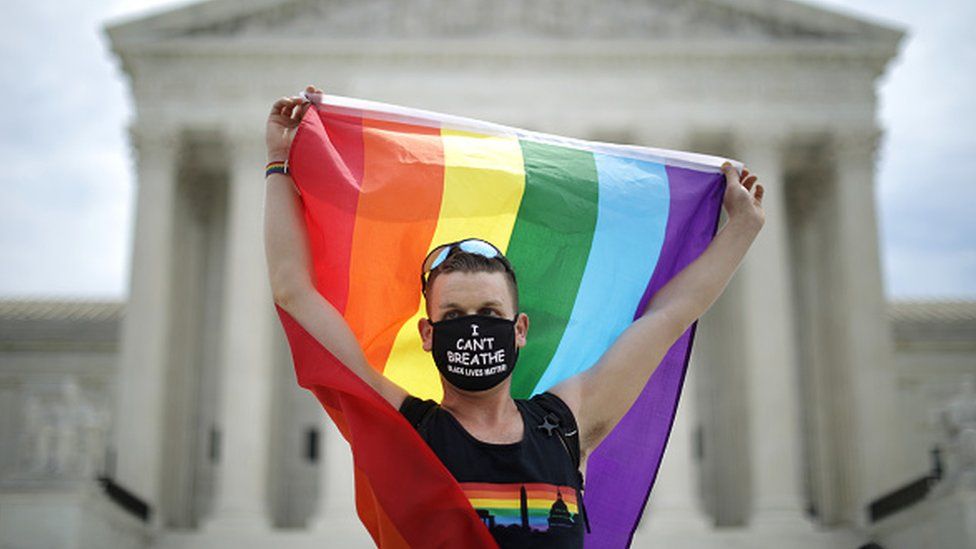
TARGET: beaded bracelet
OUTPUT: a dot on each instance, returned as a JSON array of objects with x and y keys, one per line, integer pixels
[{"x": 276, "y": 167}]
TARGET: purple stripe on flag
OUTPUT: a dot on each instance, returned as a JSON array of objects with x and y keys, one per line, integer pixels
[{"x": 621, "y": 471}]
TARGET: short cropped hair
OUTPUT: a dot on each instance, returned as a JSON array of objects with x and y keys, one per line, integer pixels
[{"x": 463, "y": 262}]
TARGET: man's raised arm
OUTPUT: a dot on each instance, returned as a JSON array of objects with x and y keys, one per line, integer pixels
[
  {"x": 289, "y": 264},
  {"x": 600, "y": 396}
]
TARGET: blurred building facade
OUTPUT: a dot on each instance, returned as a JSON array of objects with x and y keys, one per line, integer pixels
[
  {"x": 59, "y": 375},
  {"x": 804, "y": 406}
]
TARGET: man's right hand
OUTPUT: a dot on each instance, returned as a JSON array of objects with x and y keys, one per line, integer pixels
[{"x": 286, "y": 114}]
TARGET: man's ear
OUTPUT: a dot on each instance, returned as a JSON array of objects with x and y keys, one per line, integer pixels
[
  {"x": 426, "y": 333},
  {"x": 521, "y": 329}
]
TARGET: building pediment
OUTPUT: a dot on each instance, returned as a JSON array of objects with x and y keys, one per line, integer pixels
[{"x": 607, "y": 20}]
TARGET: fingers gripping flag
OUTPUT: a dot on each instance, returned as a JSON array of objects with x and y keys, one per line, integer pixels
[{"x": 593, "y": 230}]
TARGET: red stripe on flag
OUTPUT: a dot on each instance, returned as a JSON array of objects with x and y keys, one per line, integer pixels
[
  {"x": 404, "y": 494},
  {"x": 330, "y": 191}
]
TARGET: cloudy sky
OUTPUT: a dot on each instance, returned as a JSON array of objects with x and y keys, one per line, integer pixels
[{"x": 66, "y": 195}]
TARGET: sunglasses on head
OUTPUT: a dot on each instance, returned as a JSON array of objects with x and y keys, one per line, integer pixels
[{"x": 475, "y": 246}]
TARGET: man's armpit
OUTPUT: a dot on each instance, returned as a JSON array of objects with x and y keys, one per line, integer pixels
[{"x": 591, "y": 437}]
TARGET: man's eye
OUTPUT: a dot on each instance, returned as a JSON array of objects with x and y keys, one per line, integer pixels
[
  {"x": 450, "y": 314},
  {"x": 489, "y": 312}
]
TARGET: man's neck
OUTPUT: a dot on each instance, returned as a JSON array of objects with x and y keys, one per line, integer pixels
[{"x": 492, "y": 407}]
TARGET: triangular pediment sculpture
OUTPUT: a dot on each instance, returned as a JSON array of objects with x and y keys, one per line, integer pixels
[{"x": 525, "y": 20}]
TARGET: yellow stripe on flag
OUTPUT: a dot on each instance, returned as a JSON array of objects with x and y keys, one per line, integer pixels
[{"x": 484, "y": 178}]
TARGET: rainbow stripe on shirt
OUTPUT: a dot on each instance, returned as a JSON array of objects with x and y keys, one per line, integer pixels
[{"x": 532, "y": 505}]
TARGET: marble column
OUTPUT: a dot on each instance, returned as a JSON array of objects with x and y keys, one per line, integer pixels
[
  {"x": 144, "y": 348},
  {"x": 337, "y": 497},
  {"x": 674, "y": 505},
  {"x": 721, "y": 391},
  {"x": 874, "y": 461},
  {"x": 766, "y": 329},
  {"x": 246, "y": 352}
]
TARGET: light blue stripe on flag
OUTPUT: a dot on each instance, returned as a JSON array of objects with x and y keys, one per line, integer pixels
[{"x": 633, "y": 202}]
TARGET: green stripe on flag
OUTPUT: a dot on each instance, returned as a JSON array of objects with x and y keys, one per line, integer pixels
[{"x": 548, "y": 249}]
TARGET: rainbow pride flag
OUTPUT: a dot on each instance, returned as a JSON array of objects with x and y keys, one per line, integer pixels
[{"x": 593, "y": 230}]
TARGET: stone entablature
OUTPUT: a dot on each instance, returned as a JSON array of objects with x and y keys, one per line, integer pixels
[
  {"x": 942, "y": 323},
  {"x": 649, "y": 20},
  {"x": 59, "y": 324},
  {"x": 665, "y": 54}
]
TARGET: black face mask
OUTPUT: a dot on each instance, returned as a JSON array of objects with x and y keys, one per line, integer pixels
[{"x": 475, "y": 352}]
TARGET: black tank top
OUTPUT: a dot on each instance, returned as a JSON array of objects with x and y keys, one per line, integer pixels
[{"x": 528, "y": 493}]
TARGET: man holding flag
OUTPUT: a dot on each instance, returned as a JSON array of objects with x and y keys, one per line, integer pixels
[{"x": 516, "y": 461}]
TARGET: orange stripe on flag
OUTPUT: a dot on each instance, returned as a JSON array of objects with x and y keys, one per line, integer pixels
[{"x": 398, "y": 208}]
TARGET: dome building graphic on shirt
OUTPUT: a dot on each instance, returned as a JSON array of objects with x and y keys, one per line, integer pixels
[{"x": 559, "y": 515}]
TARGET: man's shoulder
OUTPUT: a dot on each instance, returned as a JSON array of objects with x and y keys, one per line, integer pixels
[
  {"x": 414, "y": 408},
  {"x": 551, "y": 402}
]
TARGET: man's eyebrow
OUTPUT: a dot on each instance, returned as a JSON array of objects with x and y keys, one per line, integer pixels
[{"x": 489, "y": 303}]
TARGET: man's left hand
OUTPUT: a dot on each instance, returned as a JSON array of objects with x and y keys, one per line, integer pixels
[{"x": 743, "y": 195}]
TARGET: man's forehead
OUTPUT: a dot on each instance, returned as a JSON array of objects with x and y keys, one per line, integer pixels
[{"x": 460, "y": 288}]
